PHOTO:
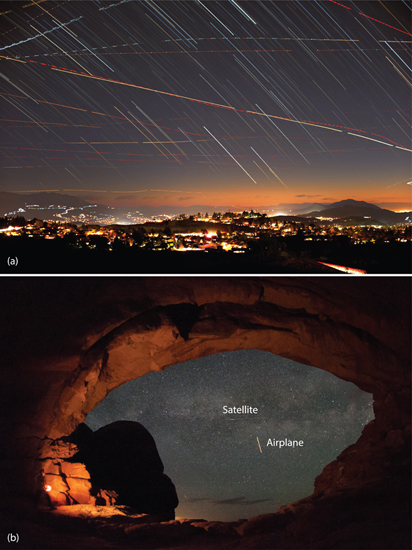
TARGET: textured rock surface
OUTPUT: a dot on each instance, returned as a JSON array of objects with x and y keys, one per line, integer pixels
[{"x": 67, "y": 343}]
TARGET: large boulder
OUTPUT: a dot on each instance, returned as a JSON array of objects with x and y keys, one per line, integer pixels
[{"x": 123, "y": 457}]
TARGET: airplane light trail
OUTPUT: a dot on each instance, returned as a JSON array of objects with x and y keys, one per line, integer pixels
[
  {"x": 218, "y": 105},
  {"x": 95, "y": 77},
  {"x": 371, "y": 139},
  {"x": 155, "y": 87}
]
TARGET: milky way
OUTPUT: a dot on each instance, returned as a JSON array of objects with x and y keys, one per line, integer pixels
[
  {"x": 214, "y": 458},
  {"x": 207, "y": 102}
]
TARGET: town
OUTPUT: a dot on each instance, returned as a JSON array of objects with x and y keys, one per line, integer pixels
[{"x": 358, "y": 244}]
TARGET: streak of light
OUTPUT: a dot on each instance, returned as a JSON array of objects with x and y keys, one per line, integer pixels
[
  {"x": 75, "y": 176},
  {"x": 47, "y": 164},
  {"x": 333, "y": 103},
  {"x": 152, "y": 142},
  {"x": 55, "y": 19},
  {"x": 53, "y": 124},
  {"x": 114, "y": 5},
  {"x": 371, "y": 139},
  {"x": 302, "y": 45},
  {"x": 40, "y": 34},
  {"x": 278, "y": 129},
  {"x": 358, "y": 50},
  {"x": 259, "y": 444},
  {"x": 377, "y": 20},
  {"x": 90, "y": 190},
  {"x": 92, "y": 53},
  {"x": 104, "y": 114},
  {"x": 159, "y": 128},
  {"x": 133, "y": 191},
  {"x": 240, "y": 166},
  {"x": 397, "y": 183},
  {"x": 154, "y": 22},
  {"x": 33, "y": 3},
  {"x": 400, "y": 127},
  {"x": 350, "y": 270},
  {"x": 11, "y": 59},
  {"x": 407, "y": 5},
  {"x": 186, "y": 51},
  {"x": 214, "y": 89},
  {"x": 100, "y": 155},
  {"x": 47, "y": 38},
  {"x": 308, "y": 14},
  {"x": 48, "y": 102},
  {"x": 399, "y": 57},
  {"x": 15, "y": 85},
  {"x": 101, "y": 142},
  {"x": 76, "y": 73},
  {"x": 24, "y": 113},
  {"x": 340, "y": 5},
  {"x": 276, "y": 145},
  {"x": 407, "y": 122},
  {"x": 201, "y": 150},
  {"x": 264, "y": 38},
  {"x": 141, "y": 131},
  {"x": 169, "y": 20},
  {"x": 242, "y": 11},
  {"x": 403, "y": 148},
  {"x": 397, "y": 20},
  {"x": 213, "y": 15},
  {"x": 261, "y": 169},
  {"x": 399, "y": 72},
  {"x": 382, "y": 23},
  {"x": 276, "y": 176},
  {"x": 79, "y": 52}
]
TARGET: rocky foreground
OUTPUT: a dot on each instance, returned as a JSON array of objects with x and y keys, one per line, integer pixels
[{"x": 349, "y": 520}]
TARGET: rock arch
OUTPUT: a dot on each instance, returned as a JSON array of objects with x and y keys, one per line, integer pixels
[{"x": 97, "y": 335}]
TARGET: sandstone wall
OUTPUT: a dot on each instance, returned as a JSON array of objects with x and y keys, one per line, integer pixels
[{"x": 68, "y": 342}]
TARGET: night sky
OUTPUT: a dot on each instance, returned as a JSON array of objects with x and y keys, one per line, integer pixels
[
  {"x": 98, "y": 101},
  {"x": 214, "y": 458}
]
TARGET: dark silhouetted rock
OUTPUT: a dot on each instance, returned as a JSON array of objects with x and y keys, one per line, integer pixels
[{"x": 123, "y": 457}]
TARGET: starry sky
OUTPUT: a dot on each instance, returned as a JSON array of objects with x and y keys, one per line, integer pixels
[
  {"x": 207, "y": 103},
  {"x": 214, "y": 458}
]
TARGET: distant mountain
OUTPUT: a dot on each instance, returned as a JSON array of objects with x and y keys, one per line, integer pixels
[
  {"x": 10, "y": 202},
  {"x": 359, "y": 209},
  {"x": 311, "y": 208},
  {"x": 352, "y": 202}
]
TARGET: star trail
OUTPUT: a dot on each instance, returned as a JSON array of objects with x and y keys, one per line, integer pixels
[{"x": 242, "y": 103}]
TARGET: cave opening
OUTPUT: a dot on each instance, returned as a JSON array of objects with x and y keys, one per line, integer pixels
[
  {"x": 113, "y": 333},
  {"x": 226, "y": 465}
]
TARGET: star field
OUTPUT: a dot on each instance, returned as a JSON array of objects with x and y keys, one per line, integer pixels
[
  {"x": 188, "y": 103},
  {"x": 214, "y": 458}
]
